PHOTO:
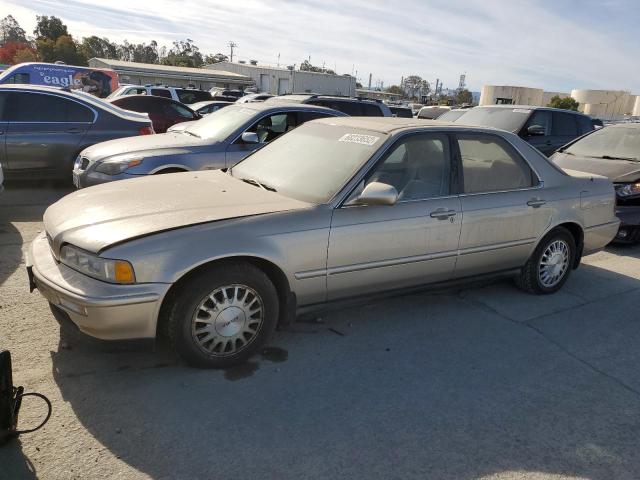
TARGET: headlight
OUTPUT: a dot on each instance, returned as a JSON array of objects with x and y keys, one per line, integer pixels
[
  {"x": 105, "y": 269},
  {"x": 114, "y": 167},
  {"x": 628, "y": 190}
]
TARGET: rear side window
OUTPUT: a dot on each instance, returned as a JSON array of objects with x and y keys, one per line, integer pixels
[
  {"x": 564, "y": 124},
  {"x": 161, "y": 92},
  {"x": 489, "y": 164},
  {"x": 369, "y": 110},
  {"x": 37, "y": 107},
  {"x": 350, "y": 108}
]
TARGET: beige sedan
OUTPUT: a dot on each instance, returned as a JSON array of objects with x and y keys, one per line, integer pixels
[{"x": 337, "y": 208}]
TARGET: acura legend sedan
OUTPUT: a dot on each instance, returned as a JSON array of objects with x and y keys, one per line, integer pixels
[{"x": 337, "y": 208}]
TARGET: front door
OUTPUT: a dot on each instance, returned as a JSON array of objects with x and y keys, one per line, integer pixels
[
  {"x": 503, "y": 205},
  {"x": 541, "y": 118},
  {"x": 44, "y": 132},
  {"x": 377, "y": 248}
]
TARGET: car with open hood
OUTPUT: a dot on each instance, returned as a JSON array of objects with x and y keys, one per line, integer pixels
[
  {"x": 612, "y": 151},
  {"x": 335, "y": 209},
  {"x": 217, "y": 141}
]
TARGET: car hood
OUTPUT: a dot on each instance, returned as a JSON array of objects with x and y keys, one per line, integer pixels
[
  {"x": 143, "y": 144},
  {"x": 98, "y": 217},
  {"x": 614, "y": 170}
]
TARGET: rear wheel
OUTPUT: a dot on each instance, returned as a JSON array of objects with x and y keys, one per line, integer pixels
[
  {"x": 223, "y": 315},
  {"x": 550, "y": 264}
]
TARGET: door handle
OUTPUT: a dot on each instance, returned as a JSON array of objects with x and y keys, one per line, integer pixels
[
  {"x": 74, "y": 130},
  {"x": 442, "y": 213},
  {"x": 536, "y": 202}
]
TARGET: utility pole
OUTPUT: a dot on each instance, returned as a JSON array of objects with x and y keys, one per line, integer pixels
[
  {"x": 231, "y": 45},
  {"x": 370, "y": 75},
  {"x": 278, "y": 60}
]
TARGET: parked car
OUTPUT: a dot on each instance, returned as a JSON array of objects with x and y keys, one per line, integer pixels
[
  {"x": 431, "y": 112},
  {"x": 163, "y": 112},
  {"x": 337, "y": 208},
  {"x": 217, "y": 141},
  {"x": 355, "y": 107},
  {"x": 46, "y": 127},
  {"x": 225, "y": 92},
  {"x": 452, "y": 115},
  {"x": 402, "y": 112},
  {"x": 415, "y": 108},
  {"x": 614, "y": 152},
  {"x": 254, "y": 97},
  {"x": 547, "y": 129},
  {"x": 182, "y": 95},
  {"x": 210, "y": 106}
]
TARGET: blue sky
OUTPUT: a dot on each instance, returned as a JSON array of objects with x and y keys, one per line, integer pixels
[{"x": 557, "y": 45}]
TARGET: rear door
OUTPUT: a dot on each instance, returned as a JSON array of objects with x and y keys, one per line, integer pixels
[
  {"x": 44, "y": 132},
  {"x": 503, "y": 206},
  {"x": 267, "y": 129}
]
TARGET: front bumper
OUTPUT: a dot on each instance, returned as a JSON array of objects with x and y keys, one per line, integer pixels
[
  {"x": 99, "y": 309},
  {"x": 629, "y": 231}
]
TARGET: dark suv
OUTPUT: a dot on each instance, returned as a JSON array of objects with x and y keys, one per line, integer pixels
[
  {"x": 547, "y": 129},
  {"x": 354, "y": 107}
]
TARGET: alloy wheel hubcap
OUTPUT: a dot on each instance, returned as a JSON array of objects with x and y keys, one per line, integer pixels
[
  {"x": 227, "y": 320},
  {"x": 554, "y": 263}
]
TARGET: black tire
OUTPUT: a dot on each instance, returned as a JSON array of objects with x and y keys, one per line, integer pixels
[
  {"x": 182, "y": 330},
  {"x": 529, "y": 278}
]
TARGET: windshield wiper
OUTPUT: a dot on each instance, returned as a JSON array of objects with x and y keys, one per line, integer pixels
[
  {"x": 611, "y": 157},
  {"x": 264, "y": 186},
  {"x": 191, "y": 133}
]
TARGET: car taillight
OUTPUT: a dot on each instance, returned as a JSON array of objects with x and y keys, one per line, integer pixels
[{"x": 147, "y": 131}]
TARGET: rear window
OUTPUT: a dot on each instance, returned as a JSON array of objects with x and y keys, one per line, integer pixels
[
  {"x": 510, "y": 119},
  {"x": 370, "y": 110}
]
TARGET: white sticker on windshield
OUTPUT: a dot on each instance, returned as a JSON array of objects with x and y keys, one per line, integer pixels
[
  {"x": 521, "y": 110},
  {"x": 359, "y": 138}
]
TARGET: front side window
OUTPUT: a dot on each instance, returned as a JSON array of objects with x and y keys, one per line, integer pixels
[
  {"x": 489, "y": 164},
  {"x": 20, "y": 78},
  {"x": 271, "y": 127},
  {"x": 419, "y": 167},
  {"x": 540, "y": 118},
  {"x": 564, "y": 125}
]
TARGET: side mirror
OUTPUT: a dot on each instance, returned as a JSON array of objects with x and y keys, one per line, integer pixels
[
  {"x": 376, "y": 193},
  {"x": 250, "y": 137},
  {"x": 536, "y": 131}
]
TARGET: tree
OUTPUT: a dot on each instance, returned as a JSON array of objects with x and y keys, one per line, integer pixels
[
  {"x": 415, "y": 86},
  {"x": 64, "y": 49},
  {"x": 307, "y": 67},
  {"x": 566, "y": 103},
  {"x": 184, "y": 54},
  {"x": 27, "y": 54},
  {"x": 396, "y": 90},
  {"x": 50, "y": 28},
  {"x": 463, "y": 96},
  {"x": 96, "y": 47},
  {"x": 11, "y": 31},
  {"x": 217, "y": 58},
  {"x": 9, "y": 51}
]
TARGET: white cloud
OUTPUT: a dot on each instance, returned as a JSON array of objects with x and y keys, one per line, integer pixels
[{"x": 498, "y": 42}]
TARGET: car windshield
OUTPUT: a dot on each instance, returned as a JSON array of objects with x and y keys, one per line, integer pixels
[
  {"x": 510, "y": 119},
  {"x": 222, "y": 123},
  {"x": 609, "y": 143},
  {"x": 311, "y": 163}
]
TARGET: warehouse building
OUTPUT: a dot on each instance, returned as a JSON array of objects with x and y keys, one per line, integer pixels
[
  {"x": 278, "y": 81},
  {"x": 149, "y": 73}
]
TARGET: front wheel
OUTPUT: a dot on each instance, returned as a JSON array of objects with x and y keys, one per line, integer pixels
[
  {"x": 550, "y": 264},
  {"x": 223, "y": 315}
]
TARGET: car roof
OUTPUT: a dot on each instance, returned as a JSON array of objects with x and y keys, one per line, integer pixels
[
  {"x": 150, "y": 98},
  {"x": 264, "y": 106},
  {"x": 392, "y": 124},
  {"x": 529, "y": 107},
  {"x": 93, "y": 101},
  {"x": 204, "y": 103}
]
